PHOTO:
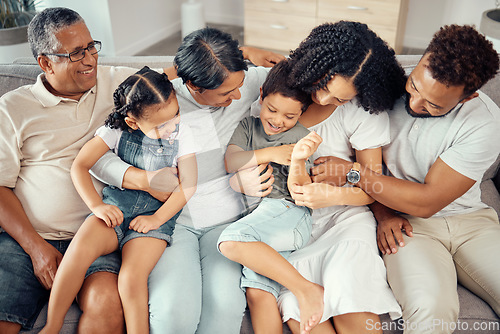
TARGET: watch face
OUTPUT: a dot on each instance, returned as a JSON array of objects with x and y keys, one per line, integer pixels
[{"x": 353, "y": 176}]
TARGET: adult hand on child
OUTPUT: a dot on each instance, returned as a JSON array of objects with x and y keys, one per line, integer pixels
[
  {"x": 330, "y": 170},
  {"x": 144, "y": 224},
  {"x": 306, "y": 146},
  {"x": 315, "y": 195},
  {"x": 110, "y": 214},
  {"x": 254, "y": 181}
]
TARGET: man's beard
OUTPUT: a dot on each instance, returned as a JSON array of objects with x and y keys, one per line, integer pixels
[
  {"x": 410, "y": 111},
  {"x": 417, "y": 115}
]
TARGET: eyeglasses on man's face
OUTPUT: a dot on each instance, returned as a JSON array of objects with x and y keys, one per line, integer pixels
[{"x": 93, "y": 48}]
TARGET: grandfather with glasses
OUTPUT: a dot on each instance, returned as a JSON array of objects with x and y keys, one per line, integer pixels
[{"x": 42, "y": 128}]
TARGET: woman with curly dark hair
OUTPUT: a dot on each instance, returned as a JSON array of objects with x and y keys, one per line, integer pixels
[{"x": 353, "y": 77}]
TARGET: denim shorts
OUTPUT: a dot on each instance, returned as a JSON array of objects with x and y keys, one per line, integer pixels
[
  {"x": 135, "y": 203},
  {"x": 277, "y": 222},
  {"x": 21, "y": 295}
]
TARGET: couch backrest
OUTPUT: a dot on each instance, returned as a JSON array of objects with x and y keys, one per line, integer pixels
[{"x": 25, "y": 70}]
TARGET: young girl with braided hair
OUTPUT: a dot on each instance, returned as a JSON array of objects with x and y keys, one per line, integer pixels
[{"x": 144, "y": 129}]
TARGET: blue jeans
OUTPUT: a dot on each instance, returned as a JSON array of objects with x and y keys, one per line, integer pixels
[
  {"x": 21, "y": 295},
  {"x": 276, "y": 222},
  {"x": 195, "y": 289}
]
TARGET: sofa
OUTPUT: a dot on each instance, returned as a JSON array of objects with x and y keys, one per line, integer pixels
[{"x": 475, "y": 315}]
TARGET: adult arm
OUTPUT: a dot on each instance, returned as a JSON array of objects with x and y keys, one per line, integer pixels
[
  {"x": 15, "y": 222},
  {"x": 442, "y": 185},
  {"x": 112, "y": 170},
  {"x": 324, "y": 193}
]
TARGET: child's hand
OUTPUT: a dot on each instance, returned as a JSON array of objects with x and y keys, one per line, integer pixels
[
  {"x": 282, "y": 154},
  {"x": 306, "y": 146},
  {"x": 111, "y": 214},
  {"x": 144, "y": 224}
]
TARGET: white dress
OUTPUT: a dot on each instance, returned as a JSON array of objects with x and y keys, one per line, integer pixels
[{"x": 342, "y": 254}]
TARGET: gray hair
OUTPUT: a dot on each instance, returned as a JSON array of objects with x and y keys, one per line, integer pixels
[{"x": 45, "y": 25}]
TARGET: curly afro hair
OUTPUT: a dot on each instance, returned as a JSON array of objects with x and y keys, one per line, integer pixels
[
  {"x": 352, "y": 50},
  {"x": 460, "y": 55}
]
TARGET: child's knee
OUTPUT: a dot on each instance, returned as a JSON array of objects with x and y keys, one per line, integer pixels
[
  {"x": 259, "y": 297},
  {"x": 229, "y": 248}
]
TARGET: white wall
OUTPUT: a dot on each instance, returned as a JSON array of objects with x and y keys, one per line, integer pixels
[
  {"x": 126, "y": 26},
  {"x": 224, "y": 11},
  {"x": 425, "y": 17}
]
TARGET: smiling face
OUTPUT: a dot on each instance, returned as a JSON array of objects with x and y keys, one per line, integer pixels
[
  {"x": 66, "y": 78},
  {"x": 338, "y": 91},
  {"x": 428, "y": 97},
  {"x": 158, "y": 120},
  {"x": 221, "y": 96},
  {"x": 279, "y": 113}
]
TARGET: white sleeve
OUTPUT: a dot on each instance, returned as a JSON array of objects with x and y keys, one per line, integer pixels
[
  {"x": 110, "y": 136},
  {"x": 365, "y": 130},
  {"x": 187, "y": 144}
]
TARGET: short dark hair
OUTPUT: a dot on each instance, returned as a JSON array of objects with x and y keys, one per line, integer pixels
[
  {"x": 278, "y": 82},
  {"x": 352, "y": 50},
  {"x": 139, "y": 91},
  {"x": 207, "y": 56},
  {"x": 460, "y": 55},
  {"x": 45, "y": 25}
]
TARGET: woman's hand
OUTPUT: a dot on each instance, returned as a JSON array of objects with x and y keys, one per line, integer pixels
[
  {"x": 306, "y": 146},
  {"x": 330, "y": 170},
  {"x": 255, "y": 181},
  {"x": 315, "y": 195},
  {"x": 144, "y": 224},
  {"x": 110, "y": 214}
]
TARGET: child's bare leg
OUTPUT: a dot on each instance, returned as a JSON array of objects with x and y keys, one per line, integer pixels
[
  {"x": 139, "y": 256},
  {"x": 326, "y": 327},
  {"x": 92, "y": 240},
  {"x": 266, "y": 261},
  {"x": 266, "y": 317}
]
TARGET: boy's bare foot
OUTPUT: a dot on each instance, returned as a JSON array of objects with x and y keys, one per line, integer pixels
[{"x": 311, "y": 305}]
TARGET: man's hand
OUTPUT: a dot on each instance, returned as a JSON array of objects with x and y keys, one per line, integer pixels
[
  {"x": 253, "y": 181},
  {"x": 162, "y": 182},
  {"x": 144, "y": 224},
  {"x": 110, "y": 214},
  {"x": 330, "y": 170},
  {"x": 261, "y": 57},
  {"x": 46, "y": 260},
  {"x": 389, "y": 231},
  {"x": 306, "y": 146}
]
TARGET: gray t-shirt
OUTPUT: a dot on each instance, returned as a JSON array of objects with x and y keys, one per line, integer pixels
[{"x": 250, "y": 136}]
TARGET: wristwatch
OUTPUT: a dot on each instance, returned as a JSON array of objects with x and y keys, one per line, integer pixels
[{"x": 353, "y": 176}]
